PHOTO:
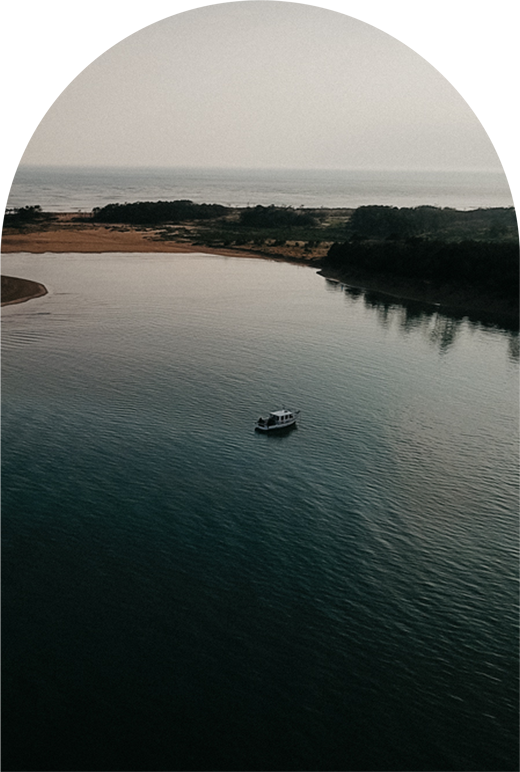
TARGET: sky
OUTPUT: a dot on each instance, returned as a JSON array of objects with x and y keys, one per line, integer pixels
[{"x": 255, "y": 84}]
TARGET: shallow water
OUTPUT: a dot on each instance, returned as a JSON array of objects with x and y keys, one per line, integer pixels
[{"x": 182, "y": 593}]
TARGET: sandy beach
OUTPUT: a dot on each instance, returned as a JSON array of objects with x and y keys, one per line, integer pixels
[{"x": 68, "y": 235}]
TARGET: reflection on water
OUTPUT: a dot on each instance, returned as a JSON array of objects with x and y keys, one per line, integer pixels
[
  {"x": 413, "y": 315},
  {"x": 514, "y": 350}
]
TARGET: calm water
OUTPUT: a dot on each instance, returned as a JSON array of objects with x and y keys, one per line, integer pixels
[
  {"x": 182, "y": 593},
  {"x": 68, "y": 190}
]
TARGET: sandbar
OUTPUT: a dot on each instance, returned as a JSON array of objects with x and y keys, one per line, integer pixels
[
  {"x": 16, "y": 290},
  {"x": 66, "y": 235}
]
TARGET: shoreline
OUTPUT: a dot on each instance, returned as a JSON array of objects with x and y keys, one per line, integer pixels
[
  {"x": 446, "y": 299},
  {"x": 67, "y": 234},
  {"x": 96, "y": 239}
]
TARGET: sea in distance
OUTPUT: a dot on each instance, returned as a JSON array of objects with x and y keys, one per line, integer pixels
[
  {"x": 182, "y": 593},
  {"x": 71, "y": 189}
]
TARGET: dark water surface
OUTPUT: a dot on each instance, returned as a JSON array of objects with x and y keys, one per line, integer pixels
[{"x": 182, "y": 593}]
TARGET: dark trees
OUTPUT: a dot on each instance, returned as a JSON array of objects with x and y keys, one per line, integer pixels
[
  {"x": 275, "y": 217},
  {"x": 157, "y": 212},
  {"x": 487, "y": 265}
]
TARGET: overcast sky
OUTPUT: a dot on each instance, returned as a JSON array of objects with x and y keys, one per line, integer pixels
[{"x": 261, "y": 84}]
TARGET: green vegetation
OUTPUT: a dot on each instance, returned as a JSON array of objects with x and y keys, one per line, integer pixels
[
  {"x": 227, "y": 233},
  {"x": 276, "y": 217},
  {"x": 26, "y": 215},
  {"x": 156, "y": 212},
  {"x": 262, "y": 228},
  {"x": 476, "y": 251},
  {"x": 213, "y": 224},
  {"x": 483, "y": 265},
  {"x": 388, "y": 222},
  {"x": 274, "y": 227}
]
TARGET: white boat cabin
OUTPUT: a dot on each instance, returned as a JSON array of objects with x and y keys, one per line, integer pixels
[{"x": 278, "y": 419}]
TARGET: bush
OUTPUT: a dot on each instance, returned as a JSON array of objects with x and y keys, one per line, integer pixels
[
  {"x": 275, "y": 217},
  {"x": 155, "y": 212}
]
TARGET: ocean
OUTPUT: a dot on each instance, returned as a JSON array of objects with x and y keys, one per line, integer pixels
[{"x": 67, "y": 189}]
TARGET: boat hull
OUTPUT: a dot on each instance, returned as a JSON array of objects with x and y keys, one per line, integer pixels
[{"x": 280, "y": 428}]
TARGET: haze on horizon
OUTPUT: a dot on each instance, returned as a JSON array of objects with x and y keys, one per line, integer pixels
[{"x": 262, "y": 84}]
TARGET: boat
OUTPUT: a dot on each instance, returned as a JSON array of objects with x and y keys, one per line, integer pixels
[{"x": 278, "y": 419}]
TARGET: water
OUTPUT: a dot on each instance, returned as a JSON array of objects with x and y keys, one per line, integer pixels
[
  {"x": 80, "y": 189},
  {"x": 182, "y": 593}
]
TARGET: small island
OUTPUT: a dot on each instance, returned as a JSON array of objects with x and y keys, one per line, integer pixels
[
  {"x": 461, "y": 261},
  {"x": 15, "y": 290}
]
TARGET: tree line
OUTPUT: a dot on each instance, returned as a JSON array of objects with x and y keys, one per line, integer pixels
[
  {"x": 155, "y": 212},
  {"x": 390, "y": 222},
  {"x": 25, "y": 215},
  {"x": 275, "y": 217},
  {"x": 493, "y": 266}
]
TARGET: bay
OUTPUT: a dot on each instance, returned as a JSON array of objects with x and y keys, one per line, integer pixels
[{"x": 182, "y": 593}]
